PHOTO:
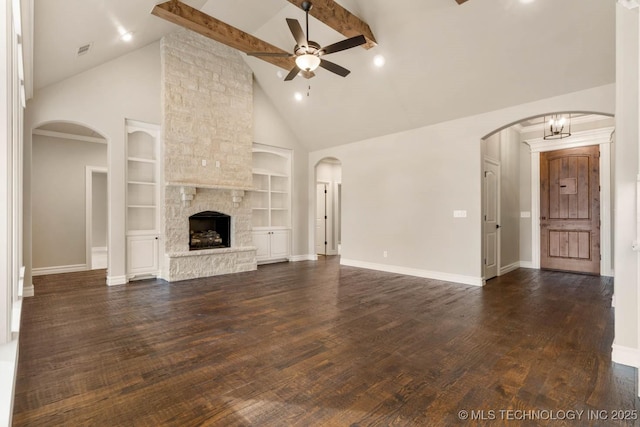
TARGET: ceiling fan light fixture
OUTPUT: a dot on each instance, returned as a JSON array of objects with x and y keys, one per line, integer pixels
[{"x": 308, "y": 62}]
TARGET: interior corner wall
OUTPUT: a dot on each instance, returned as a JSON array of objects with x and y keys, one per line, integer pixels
[
  {"x": 101, "y": 99},
  {"x": 626, "y": 184},
  {"x": 399, "y": 191},
  {"x": 509, "y": 198},
  {"x": 526, "y": 255},
  {"x": 58, "y": 192},
  {"x": 270, "y": 128}
]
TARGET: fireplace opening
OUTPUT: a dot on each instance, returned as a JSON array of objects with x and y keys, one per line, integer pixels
[{"x": 209, "y": 230}]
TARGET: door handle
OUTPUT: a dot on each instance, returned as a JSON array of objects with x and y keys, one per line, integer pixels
[{"x": 497, "y": 225}]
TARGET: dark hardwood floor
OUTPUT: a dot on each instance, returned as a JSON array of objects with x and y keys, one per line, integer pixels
[{"x": 317, "y": 344}]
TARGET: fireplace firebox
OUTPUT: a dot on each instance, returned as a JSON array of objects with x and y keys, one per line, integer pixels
[{"x": 209, "y": 230}]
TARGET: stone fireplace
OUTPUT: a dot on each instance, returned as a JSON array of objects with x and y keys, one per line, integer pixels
[{"x": 207, "y": 136}]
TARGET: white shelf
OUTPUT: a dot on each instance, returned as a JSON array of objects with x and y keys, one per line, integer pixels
[
  {"x": 272, "y": 187},
  {"x": 141, "y": 160}
]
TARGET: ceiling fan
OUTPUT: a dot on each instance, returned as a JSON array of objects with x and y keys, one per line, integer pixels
[{"x": 308, "y": 54}]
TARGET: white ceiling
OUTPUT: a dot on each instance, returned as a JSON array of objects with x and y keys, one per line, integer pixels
[{"x": 443, "y": 61}]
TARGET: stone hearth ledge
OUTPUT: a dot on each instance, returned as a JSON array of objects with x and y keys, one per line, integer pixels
[{"x": 210, "y": 262}]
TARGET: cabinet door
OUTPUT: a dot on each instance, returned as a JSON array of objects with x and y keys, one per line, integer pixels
[
  {"x": 261, "y": 241},
  {"x": 280, "y": 244},
  {"x": 142, "y": 255}
]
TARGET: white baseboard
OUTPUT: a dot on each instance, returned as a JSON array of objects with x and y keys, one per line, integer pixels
[
  {"x": 526, "y": 264},
  {"x": 625, "y": 355},
  {"x": 509, "y": 268},
  {"x": 116, "y": 280},
  {"x": 28, "y": 291},
  {"x": 41, "y": 271},
  {"x": 446, "y": 277},
  {"x": 308, "y": 257}
]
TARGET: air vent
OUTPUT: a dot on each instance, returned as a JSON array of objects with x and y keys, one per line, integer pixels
[{"x": 82, "y": 50}]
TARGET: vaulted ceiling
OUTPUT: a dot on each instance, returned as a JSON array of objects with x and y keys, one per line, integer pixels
[{"x": 443, "y": 60}]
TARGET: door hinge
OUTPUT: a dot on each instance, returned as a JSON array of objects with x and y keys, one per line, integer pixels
[
  {"x": 325, "y": 243},
  {"x": 325, "y": 191},
  {"x": 485, "y": 261},
  {"x": 485, "y": 217},
  {"x": 325, "y": 217}
]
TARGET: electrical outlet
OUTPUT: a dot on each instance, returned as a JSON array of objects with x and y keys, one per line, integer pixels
[
  {"x": 385, "y": 254},
  {"x": 459, "y": 214},
  {"x": 204, "y": 162},
  {"x": 217, "y": 163}
]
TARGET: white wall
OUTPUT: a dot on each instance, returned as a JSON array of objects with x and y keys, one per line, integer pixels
[
  {"x": 58, "y": 196},
  {"x": 101, "y": 99},
  {"x": 270, "y": 128},
  {"x": 99, "y": 222},
  {"x": 625, "y": 181},
  {"x": 509, "y": 198},
  {"x": 400, "y": 190}
]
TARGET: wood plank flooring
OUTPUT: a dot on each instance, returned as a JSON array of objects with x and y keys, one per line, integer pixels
[{"x": 319, "y": 344}]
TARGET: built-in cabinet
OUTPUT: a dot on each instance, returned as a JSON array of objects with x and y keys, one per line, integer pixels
[
  {"x": 143, "y": 199},
  {"x": 271, "y": 203}
]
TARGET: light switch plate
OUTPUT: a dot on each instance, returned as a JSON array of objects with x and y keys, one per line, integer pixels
[{"x": 459, "y": 214}]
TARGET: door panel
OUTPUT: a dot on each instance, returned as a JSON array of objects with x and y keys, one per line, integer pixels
[
  {"x": 570, "y": 210},
  {"x": 491, "y": 209},
  {"x": 321, "y": 214}
]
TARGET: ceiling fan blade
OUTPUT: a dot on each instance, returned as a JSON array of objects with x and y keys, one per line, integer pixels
[
  {"x": 343, "y": 45},
  {"x": 334, "y": 68},
  {"x": 275, "y": 54},
  {"x": 297, "y": 32},
  {"x": 292, "y": 74}
]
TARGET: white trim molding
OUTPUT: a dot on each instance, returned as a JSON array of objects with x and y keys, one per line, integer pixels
[
  {"x": 509, "y": 268},
  {"x": 43, "y": 271},
  {"x": 577, "y": 139},
  {"x": 625, "y": 355},
  {"x": 629, "y": 4},
  {"x": 116, "y": 280},
  {"x": 308, "y": 257},
  {"x": 436, "y": 275}
]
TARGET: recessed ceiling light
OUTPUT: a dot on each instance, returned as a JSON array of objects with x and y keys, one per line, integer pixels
[
  {"x": 379, "y": 61},
  {"x": 127, "y": 37},
  {"x": 298, "y": 96},
  {"x": 280, "y": 74},
  {"x": 526, "y": 1}
]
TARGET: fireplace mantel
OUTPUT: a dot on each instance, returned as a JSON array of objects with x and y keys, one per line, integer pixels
[{"x": 188, "y": 191}]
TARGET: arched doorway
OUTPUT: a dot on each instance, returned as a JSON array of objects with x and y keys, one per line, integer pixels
[
  {"x": 328, "y": 203},
  {"x": 69, "y": 196},
  {"x": 516, "y": 149}
]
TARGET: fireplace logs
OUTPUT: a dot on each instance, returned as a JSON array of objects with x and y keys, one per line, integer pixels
[{"x": 209, "y": 230}]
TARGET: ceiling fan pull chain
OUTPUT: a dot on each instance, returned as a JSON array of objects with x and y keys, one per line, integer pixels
[{"x": 308, "y": 91}]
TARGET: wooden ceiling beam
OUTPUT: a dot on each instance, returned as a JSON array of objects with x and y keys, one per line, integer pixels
[
  {"x": 186, "y": 16},
  {"x": 340, "y": 19}
]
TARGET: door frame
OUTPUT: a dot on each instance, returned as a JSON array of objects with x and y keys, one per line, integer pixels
[
  {"x": 89, "y": 171},
  {"x": 603, "y": 138}
]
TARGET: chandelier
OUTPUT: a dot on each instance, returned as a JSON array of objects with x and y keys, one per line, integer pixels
[{"x": 557, "y": 126}]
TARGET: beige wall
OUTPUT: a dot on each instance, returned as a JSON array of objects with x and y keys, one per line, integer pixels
[
  {"x": 101, "y": 99},
  {"x": 419, "y": 178},
  {"x": 270, "y": 128},
  {"x": 59, "y": 202}
]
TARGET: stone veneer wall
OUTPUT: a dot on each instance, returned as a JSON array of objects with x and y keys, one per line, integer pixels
[{"x": 207, "y": 116}]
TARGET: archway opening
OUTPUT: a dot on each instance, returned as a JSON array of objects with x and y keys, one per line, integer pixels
[
  {"x": 515, "y": 151},
  {"x": 69, "y": 193},
  {"x": 328, "y": 207}
]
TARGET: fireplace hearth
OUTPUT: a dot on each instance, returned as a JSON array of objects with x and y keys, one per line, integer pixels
[{"x": 209, "y": 230}]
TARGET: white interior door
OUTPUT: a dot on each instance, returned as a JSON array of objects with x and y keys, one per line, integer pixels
[
  {"x": 321, "y": 218},
  {"x": 491, "y": 218}
]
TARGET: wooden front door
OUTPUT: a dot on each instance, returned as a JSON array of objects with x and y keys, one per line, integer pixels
[{"x": 570, "y": 210}]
